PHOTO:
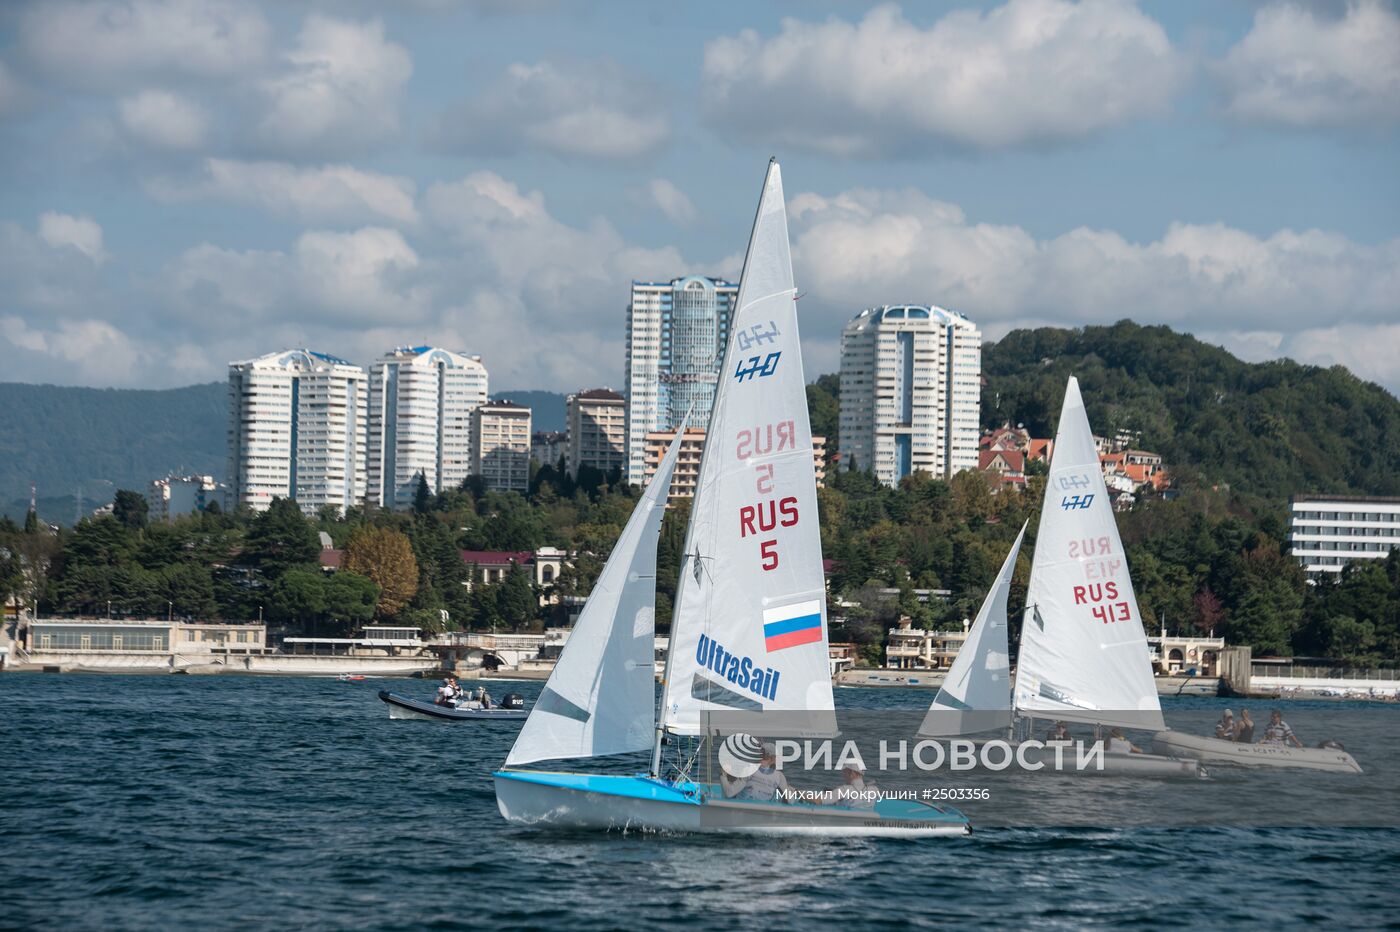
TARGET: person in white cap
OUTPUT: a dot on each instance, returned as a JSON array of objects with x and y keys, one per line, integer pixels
[
  {"x": 1225, "y": 728},
  {"x": 855, "y": 792},
  {"x": 741, "y": 779}
]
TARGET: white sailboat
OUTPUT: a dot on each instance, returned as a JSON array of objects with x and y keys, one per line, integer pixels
[
  {"x": 749, "y": 629},
  {"x": 1084, "y": 656},
  {"x": 976, "y": 693}
]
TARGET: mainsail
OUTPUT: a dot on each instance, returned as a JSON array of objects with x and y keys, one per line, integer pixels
[
  {"x": 749, "y": 630},
  {"x": 599, "y": 698},
  {"x": 1084, "y": 653},
  {"x": 976, "y": 693}
]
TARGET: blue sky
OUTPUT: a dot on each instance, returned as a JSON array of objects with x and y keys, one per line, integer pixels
[{"x": 187, "y": 182}]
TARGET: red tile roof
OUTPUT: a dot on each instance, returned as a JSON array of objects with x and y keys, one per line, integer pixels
[{"x": 497, "y": 557}]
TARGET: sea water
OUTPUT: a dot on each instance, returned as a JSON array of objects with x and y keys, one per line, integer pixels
[{"x": 228, "y": 801}]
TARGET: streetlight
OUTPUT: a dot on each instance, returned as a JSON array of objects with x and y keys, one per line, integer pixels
[
  {"x": 169, "y": 611},
  {"x": 109, "y": 608}
]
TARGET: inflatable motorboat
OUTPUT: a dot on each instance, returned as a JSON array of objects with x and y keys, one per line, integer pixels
[
  {"x": 512, "y": 707},
  {"x": 1220, "y": 751}
]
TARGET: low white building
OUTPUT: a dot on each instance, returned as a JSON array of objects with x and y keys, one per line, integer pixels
[{"x": 1329, "y": 531}]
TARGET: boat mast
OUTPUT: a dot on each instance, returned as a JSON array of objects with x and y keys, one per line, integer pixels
[{"x": 694, "y": 554}]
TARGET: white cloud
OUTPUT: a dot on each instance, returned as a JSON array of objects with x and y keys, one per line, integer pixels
[
  {"x": 1299, "y": 69},
  {"x": 329, "y": 193},
  {"x": 96, "y": 43},
  {"x": 328, "y": 281},
  {"x": 664, "y": 196},
  {"x": 164, "y": 120},
  {"x": 588, "y": 109},
  {"x": 864, "y": 247},
  {"x": 340, "y": 91},
  {"x": 1025, "y": 73},
  {"x": 80, "y": 233},
  {"x": 96, "y": 348}
]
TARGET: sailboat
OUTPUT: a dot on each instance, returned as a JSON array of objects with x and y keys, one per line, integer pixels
[
  {"x": 748, "y": 633},
  {"x": 1084, "y": 656}
]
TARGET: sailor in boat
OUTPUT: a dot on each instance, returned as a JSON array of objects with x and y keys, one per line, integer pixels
[
  {"x": 448, "y": 693},
  {"x": 1244, "y": 728},
  {"x": 1119, "y": 744},
  {"x": 1058, "y": 732},
  {"x": 1225, "y": 728},
  {"x": 856, "y": 792},
  {"x": 749, "y": 770},
  {"x": 483, "y": 697},
  {"x": 1278, "y": 733}
]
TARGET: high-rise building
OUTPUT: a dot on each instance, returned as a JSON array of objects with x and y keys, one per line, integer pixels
[
  {"x": 686, "y": 476},
  {"x": 501, "y": 445},
  {"x": 676, "y": 335},
  {"x": 421, "y": 400},
  {"x": 1329, "y": 531},
  {"x": 911, "y": 391},
  {"x": 175, "y": 496},
  {"x": 597, "y": 429},
  {"x": 296, "y": 430}
]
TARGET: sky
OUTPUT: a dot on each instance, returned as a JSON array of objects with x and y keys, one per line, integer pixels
[{"x": 184, "y": 183}]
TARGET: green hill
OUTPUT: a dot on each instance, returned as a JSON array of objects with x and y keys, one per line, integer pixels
[
  {"x": 1267, "y": 430},
  {"x": 89, "y": 441}
]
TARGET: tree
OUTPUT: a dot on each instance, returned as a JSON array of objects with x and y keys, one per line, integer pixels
[
  {"x": 515, "y": 597},
  {"x": 281, "y": 538},
  {"x": 349, "y": 600},
  {"x": 299, "y": 597},
  {"x": 131, "y": 509},
  {"x": 386, "y": 557},
  {"x": 422, "y": 496}
]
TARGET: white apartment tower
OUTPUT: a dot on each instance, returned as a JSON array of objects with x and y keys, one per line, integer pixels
[
  {"x": 677, "y": 332},
  {"x": 421, "y": 400},
  {"x": 297, "y": 430},
  {"x": 501, "y": 445},
  {"x": 911, "y": 390},
  {"x": 597, "y": 430}
]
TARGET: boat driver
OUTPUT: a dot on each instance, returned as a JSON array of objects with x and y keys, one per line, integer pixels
[
  {"x": 446, "y": 692},
  {"x": 1278, "y": 733}
]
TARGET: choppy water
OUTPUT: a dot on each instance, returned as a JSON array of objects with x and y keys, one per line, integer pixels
[{"x": 167, "y": 801}]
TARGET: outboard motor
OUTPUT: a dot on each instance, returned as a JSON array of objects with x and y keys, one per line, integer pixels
[{"x": 512, "y": 701}]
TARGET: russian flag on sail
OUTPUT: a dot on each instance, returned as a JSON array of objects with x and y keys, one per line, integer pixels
[{"x": 792, "y": 625}]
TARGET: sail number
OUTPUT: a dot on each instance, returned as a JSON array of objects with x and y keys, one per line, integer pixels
[
  {"x": 1071, "y": 502},
  {"x": 758, "y": 366},
  {"x": 769, "y": 513},
  {"x": 1102, "y": 599}
]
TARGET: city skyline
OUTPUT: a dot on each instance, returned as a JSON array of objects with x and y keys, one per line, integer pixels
[{"x": 188, "y": 180}]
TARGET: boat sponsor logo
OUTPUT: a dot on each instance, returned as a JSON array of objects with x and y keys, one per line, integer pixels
[
  {"x": 758, "y": 367},
  {"x": 792, "y": 625},
  {"x": 757, "y": 335},
  {"x": 741, "y": 672}
]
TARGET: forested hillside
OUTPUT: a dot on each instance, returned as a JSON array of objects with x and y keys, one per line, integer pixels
[
  {"x": 1267, "y": 430},
  {"x": 92, "y": 440}
]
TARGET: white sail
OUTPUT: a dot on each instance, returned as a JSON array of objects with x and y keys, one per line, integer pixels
[
  {"x": 749, "y": 631},
  {"x": 1084, "y": 653},
  {"x": 976, "y": 693},
  {"x": 599, "y": 699}
]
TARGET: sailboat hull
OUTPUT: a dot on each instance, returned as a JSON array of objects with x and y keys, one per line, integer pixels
[{"x": 589, "y": 801}]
